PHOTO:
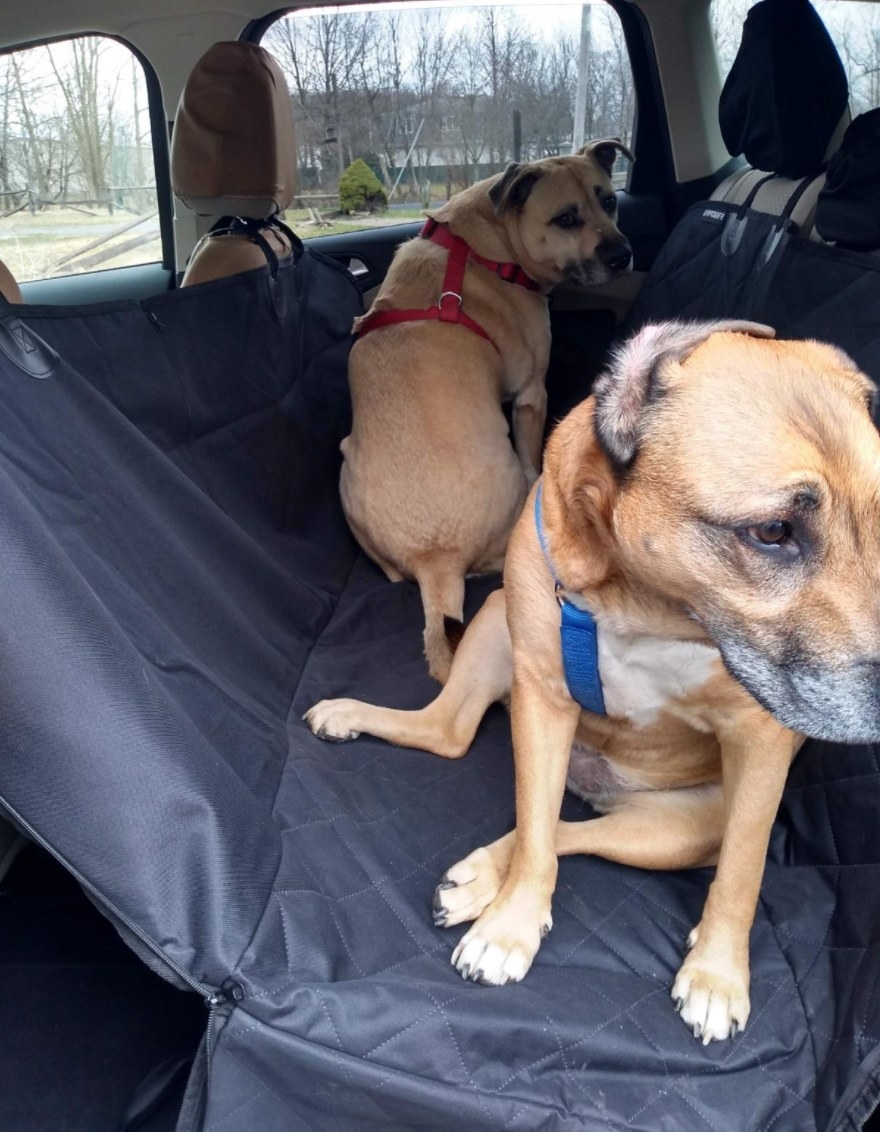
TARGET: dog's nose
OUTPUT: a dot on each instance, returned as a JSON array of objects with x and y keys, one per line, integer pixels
[{"x": 615, "y": 256}]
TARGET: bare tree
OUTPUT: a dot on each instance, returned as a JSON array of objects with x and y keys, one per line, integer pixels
[
  {"x": 321, "y": 54},
  {"x": 620, "y": 109},
  {"x": 857, "y": 37},
  {"x": 508, "y": 58},
  {"x": 6, "y": 95},
  {"x": 728, "y": 17},
  {"x": 41, "y": 157},
  {"x": 90, "y": 109},
  {"x": 435, "y": 50},
  {"x": 380, "y": 79},
  {"x": 377, "y": 81},
  {"x": 467, "y": 85},
  {"x": 547, "y": 100}
]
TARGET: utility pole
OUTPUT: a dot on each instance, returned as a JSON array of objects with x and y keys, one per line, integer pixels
[
  {"x": 335, "y": 90},
  {"x": 580, "y": 100}
]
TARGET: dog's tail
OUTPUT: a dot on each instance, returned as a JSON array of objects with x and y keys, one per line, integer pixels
[{"x": 441, "y": 582}]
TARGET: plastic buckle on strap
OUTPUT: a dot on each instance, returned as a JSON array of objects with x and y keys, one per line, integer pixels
[{"x": 448, "y": 312}]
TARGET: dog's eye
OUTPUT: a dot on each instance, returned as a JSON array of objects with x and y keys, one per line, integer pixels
[
  {"x": 567, "y": 220},
  {"x": 773, "y": 535},
  {"x": 609, "y": 203}
]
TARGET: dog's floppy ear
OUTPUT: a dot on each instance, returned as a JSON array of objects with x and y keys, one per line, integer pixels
[
  {"x": 625, "y": 387},
  {"x": 512, "y": 188},
  {"x": 605, "y": 151}
]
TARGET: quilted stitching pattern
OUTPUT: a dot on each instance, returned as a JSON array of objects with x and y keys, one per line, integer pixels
[
  {"x": 348, "y": 964},
  {"x": 385, "y": 1035},
  {"x": 148, "y": 732}
]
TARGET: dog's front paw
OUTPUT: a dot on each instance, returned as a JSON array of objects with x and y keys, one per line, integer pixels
[
  {"x": 711, "y": 992},
  {"x": 334, "y": 720},
  {"x": 469, "y": 887},
  {"x": 501, "y": 945}
]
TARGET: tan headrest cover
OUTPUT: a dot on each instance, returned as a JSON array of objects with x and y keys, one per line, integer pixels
[
  {"x": 233, "y": 150},
  {"x": 837, "y": 137}
]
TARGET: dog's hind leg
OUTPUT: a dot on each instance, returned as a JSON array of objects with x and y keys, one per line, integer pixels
[
  {"x": 480, "y": 675},
  {"x": 652, "y": 829},
  {"x": 658, "y": 829},
  {"x": 441, "y": 582}
]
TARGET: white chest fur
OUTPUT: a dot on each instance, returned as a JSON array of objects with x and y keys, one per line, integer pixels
[{"x": 640, "y": 674}]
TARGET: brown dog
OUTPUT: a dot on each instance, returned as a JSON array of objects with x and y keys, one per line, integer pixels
[
  {"x": 430, "y": 483},
  {"x": 716, "y": 505}
]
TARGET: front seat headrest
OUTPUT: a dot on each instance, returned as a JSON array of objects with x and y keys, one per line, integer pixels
[
  {"x": 233, "y": 150},
  {"x": 786, "y": 91},
  {"x": 848, "y": 212},
  {"x": 9, "y": 288}
]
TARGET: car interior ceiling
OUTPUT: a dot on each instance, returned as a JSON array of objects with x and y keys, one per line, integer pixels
[{"x": 100, "y": 1041}]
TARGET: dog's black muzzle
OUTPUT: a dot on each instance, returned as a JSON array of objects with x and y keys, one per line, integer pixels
[
  {"x": 838, "y": 703},
  {"x": 610, "y": 259},
  {"x": 616, "y": 255}
]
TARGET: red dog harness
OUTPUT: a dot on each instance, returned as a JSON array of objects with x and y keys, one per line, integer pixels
[{"x": 448, "y": 308}]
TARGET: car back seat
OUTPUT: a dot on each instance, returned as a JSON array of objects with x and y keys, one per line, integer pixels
[
  {"x": 730, "y": 258},
  {"x": 179, "y": 586},
  {"x": 233, "y": 158}
]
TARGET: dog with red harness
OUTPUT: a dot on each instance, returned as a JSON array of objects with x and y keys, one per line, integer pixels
[{"x": 431, "y": 484}]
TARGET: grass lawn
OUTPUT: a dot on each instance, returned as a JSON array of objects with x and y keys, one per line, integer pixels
[
  {"x": 299, "y": 219},
  {"x": 66, "y": 241}
]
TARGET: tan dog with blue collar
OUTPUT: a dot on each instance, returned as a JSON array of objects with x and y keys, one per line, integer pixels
[{"x": 715, "y": 505}]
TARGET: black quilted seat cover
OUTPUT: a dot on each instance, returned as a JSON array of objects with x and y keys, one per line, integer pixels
[
  {"x": 848, "y": 209},
  {"x": 179, "y": 585},
  {"x": 722, "y": 263}
]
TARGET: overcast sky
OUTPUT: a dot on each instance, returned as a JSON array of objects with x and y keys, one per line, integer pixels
[{"x": 542, "y": 17}]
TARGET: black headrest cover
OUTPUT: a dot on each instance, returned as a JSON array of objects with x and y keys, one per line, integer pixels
[
  {"x": 848, "y": 211},
  {"x": 786, "y": 91}
]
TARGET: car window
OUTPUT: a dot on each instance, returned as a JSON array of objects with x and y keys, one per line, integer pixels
[
  {"x": 853, "y": 26},
  {"x": 399, "y": 109},
  {"x": 77, "y": 177}
]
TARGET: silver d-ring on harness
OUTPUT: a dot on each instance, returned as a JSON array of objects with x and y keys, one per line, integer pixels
[{"x": 451, "y": 295}]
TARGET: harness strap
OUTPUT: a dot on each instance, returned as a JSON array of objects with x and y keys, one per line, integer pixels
[
  {"x": 438, "y": 233},
  {"x": 253, "y": 230},
  {"x": 389, "y": 318},
  {"x": 580, "y": 637},
  {"x": 448, "y": 308}
]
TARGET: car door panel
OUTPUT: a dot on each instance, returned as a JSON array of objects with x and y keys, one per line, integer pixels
[{"x": 139, "y": 282}]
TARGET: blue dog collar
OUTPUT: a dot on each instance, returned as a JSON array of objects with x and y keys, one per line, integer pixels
[{"x": 579, "y": 632}]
